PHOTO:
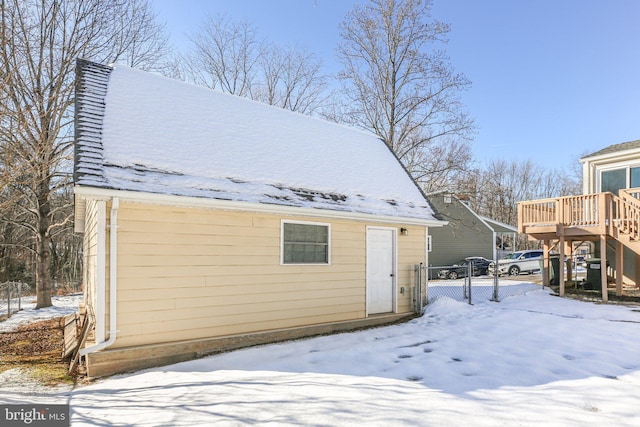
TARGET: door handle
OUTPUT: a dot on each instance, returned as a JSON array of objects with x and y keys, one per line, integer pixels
[{"x": 391, "y": 275}]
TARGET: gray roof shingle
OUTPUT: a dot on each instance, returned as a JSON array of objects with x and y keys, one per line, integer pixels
[
  {"x": 623, "y": 146},
  {"x": 91, "y": 89}
]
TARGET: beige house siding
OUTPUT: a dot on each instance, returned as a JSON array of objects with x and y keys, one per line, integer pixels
[
  {"x": 191, "y": 273},
  {"x": 90, "y": 251},
  {"x": 412, "y": 250}
]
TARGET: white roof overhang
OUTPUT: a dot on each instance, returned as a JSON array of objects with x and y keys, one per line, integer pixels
[{"x": 83, "y": 193}]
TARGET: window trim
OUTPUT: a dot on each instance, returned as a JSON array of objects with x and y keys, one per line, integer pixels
[{"x": 322, "y": 224}]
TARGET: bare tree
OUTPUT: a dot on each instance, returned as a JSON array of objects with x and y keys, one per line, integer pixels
[
  {"x": 229, "y": 56},
  {"x": 175, "y": 67},
  {"x": 495, "y": 190},
  {"x": 440, "y": 165},
  {"x": 40, "y": 42},
  {"x": 505, "y": 183},
  {"x": 290, "y": 78},
  {"x": 400, "y": 87},
  {"x": 15, "y": 259},
  {"x": 138, "y": 40},
  {"x": 225, "y": 55}
]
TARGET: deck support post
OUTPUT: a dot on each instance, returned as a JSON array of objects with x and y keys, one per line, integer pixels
[
  {"x": 603, "y": 266},
  {"x": 545, "y": 263},
  {"x": 560, "y": 272},
  {"x": 637, "y": 271},
  {"x": 619, "y": 267}
]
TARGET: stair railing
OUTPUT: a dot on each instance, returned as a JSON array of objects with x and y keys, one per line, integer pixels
[{"x": 627, "y": 215}]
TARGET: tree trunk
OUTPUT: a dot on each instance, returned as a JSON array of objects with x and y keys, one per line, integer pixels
[
  {"x": 43, "y": 250},
  {"x": 43, "y": 277}
]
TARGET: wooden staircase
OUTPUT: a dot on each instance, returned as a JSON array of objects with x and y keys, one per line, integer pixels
[{"x": 589, "y": 217}]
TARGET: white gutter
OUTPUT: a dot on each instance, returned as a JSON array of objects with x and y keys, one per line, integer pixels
[
  {"x": 113, "y": 265},
  {"x": 232, "y": 205}
]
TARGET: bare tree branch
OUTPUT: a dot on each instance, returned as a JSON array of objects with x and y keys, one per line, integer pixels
[
  {"x": 40, "y": 41},
  {"x": 229, "y": 56},
  {"x": 401, "y": 90}
]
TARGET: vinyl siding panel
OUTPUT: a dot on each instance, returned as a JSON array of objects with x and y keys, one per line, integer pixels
[
  {"x": 465, "y": 235},
  {"x": 411, "y": 250},
  {"x": 187, "y": 273},
  {"x": 90, "y": 253}
]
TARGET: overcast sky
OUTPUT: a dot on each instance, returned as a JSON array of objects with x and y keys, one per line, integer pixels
[{"x": 552, "y": 79}]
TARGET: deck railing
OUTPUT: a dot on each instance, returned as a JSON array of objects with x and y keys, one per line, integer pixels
[
  {"x": 627, "y": 214},
  {"x": 538, "y": 212},
  {"x": 584, "y": 210},
  {"x": 601, "y": 213},
  {"x": 631, "y": 194}
]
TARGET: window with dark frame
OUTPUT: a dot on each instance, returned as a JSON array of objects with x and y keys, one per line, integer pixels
[{"x": 305, "y": 243}]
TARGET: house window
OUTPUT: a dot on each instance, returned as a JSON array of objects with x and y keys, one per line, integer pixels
[
  {"x": 634, "y": 177},
  {"x": 305, "y": 243},
  {"x": 615, "y": 179}
]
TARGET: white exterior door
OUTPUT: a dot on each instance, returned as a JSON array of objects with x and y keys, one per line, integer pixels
[{"x": 380, "y": 270}]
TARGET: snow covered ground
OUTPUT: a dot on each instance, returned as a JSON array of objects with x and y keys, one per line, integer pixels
[
  {"x": 532, "y": 359},
  {"x": 62, "y": 305}
]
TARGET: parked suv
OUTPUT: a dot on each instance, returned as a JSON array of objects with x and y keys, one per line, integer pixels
[{"x": 518, "y": 262}]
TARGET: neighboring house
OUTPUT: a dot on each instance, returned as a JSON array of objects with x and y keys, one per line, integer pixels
[
  {"x": 607, "y": 215},
  {"x": 467, "y": 234},
  {"x": 213, "y": 222}
]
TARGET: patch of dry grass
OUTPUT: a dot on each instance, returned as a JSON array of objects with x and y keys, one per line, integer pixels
[{"x": 36, "y": 349}]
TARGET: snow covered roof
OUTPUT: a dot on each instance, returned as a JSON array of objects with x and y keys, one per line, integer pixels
[{"x": 137, "y": 131}]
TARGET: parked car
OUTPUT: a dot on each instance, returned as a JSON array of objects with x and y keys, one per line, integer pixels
[
  {"x": 518, "y": 262},
  {"x": 460, "y": 269},
  {"x": 480, "y": 265}
]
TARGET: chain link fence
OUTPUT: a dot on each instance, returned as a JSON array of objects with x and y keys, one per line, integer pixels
[
  {"x": 466, "y": 283},
  {"x": 11, "y": 295},
  {"x": 461, "y": 283}
]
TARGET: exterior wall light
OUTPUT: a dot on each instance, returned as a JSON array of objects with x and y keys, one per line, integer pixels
[{"x": 404, "y": 231}]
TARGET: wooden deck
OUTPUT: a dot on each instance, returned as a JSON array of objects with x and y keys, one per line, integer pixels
[{"x": 601, "y": 217}]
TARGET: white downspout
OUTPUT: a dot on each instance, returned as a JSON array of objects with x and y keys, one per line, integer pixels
[{"x": 113, "y": 265}]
